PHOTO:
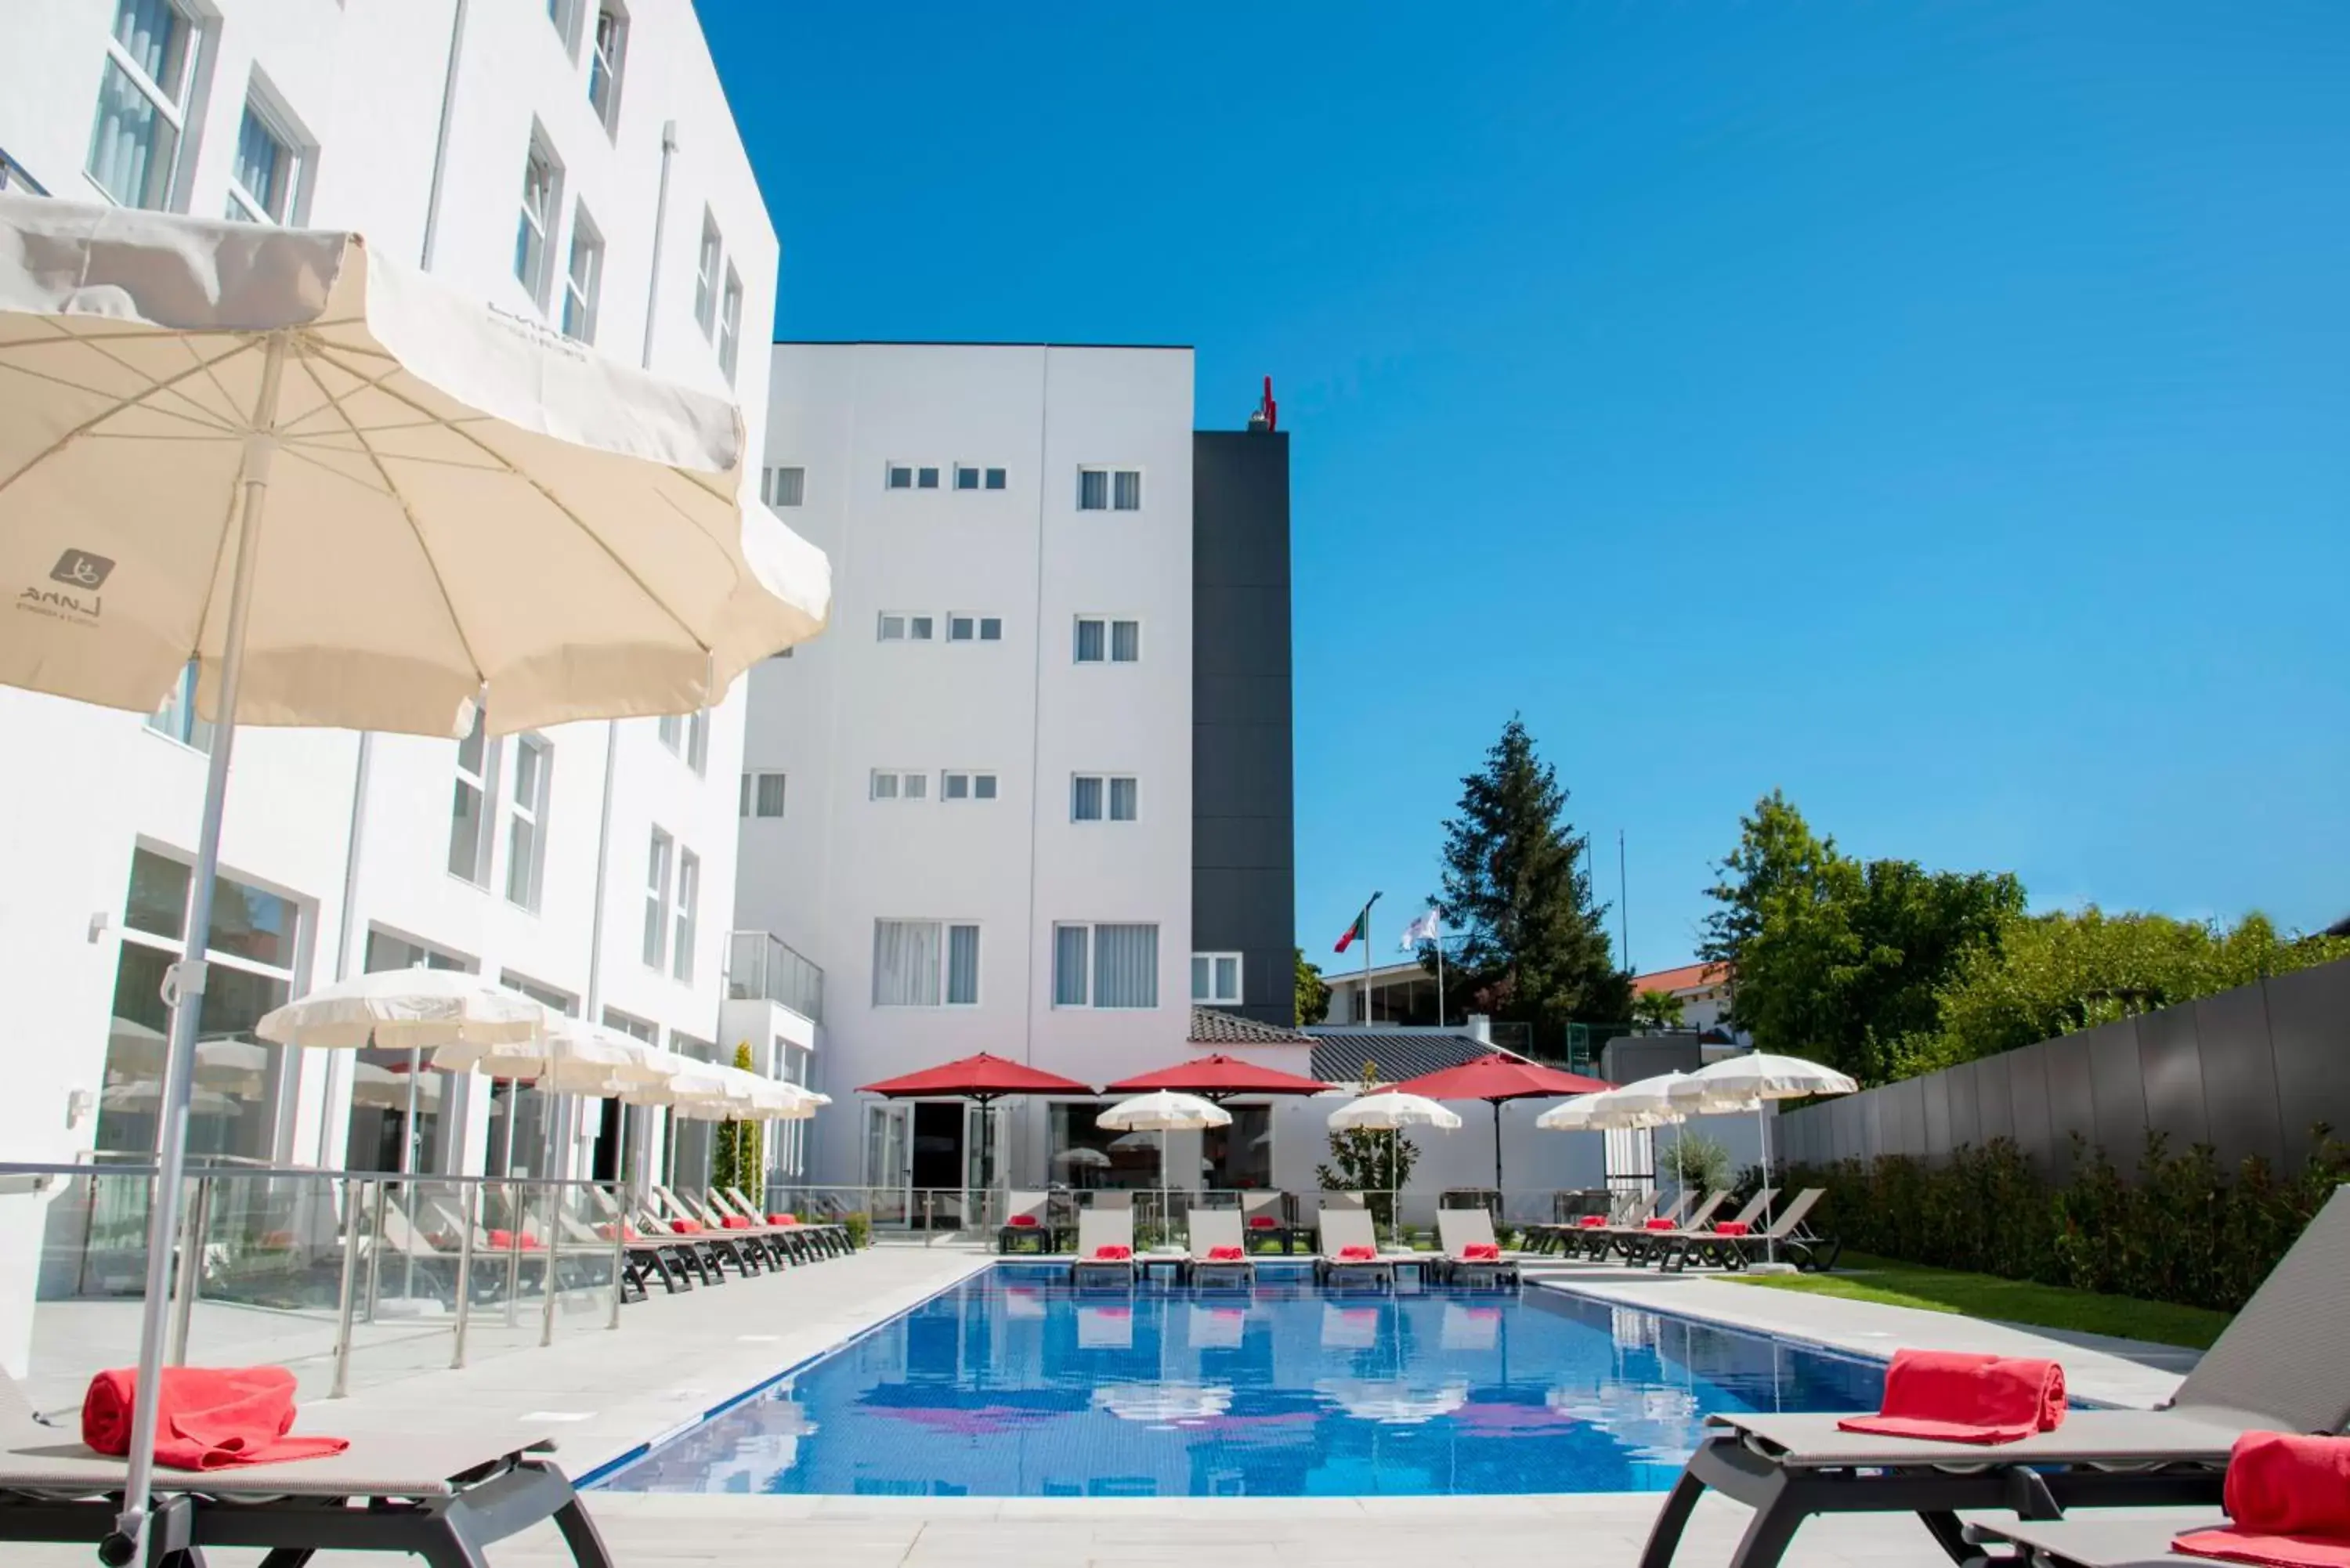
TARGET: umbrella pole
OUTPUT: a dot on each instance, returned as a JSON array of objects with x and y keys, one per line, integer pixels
[
  {"x": 183, "y": 982},
  {"x": 1770, "y": 1248},
  {"x": 1497, "y": 1159}
]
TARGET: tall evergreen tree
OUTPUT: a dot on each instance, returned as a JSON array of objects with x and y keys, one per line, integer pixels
[{"x": 1533, "y": 946}]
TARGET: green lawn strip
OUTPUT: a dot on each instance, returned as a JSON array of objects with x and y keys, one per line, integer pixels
[{"x": 1890, "y": 1283}]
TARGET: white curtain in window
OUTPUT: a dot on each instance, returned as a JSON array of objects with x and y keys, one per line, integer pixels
[
  {"x": 1199, "y": 992},
  {"x": 1126, "y": 966},
  {"x": 130, "y": 145},
  {"x": 1121, "y": 800},
  {"x": 905, "y": 964},
  {"x": 963, "y": 966},
  {"x": 1089, "y": 642},
  {"x": 1125, "y": 641},
  {"x": 1093, "y": 490},
  {"x": 1068, "y": 966},
  {"x": 1085, "y": 800},
  {"x": 1129, "y": 491},
  {"x": 1228, "y": 980}
]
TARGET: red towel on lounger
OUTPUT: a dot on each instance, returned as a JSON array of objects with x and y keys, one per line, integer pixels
[
  {"x": 1662, "y": 1225},
  {"x": 1226, "y": 1255},
  {"x": 1261, "y": 1223},
  {"x": 1358, "y": 1254},
  {"x": 733, "y": 1222},
  {"x": 210, "y": 1417},
  {"x": 1954, "y": 1397},
  {"x": 2289, "y": 1497},
  {"x": 1592, "y": 1221},
  {"x": 1481, "y": 1253},
  {"x": 1024, "y": 1222},
  {"x": 1113, "y": 1253},
  {"x": 1733, "y": 1227},
  {"x": 783, "y": 1218},
  {"x": 507, "y": 1242},
  {"x": 686, "y": 1227}
]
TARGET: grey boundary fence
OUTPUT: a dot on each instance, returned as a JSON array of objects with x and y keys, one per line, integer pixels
[{"x": 2251, "y": 1072}]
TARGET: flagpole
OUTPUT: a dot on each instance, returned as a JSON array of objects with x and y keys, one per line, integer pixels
[
  {"x": 1367, "y": 960},
  {"x": 1438, "y": 938}
]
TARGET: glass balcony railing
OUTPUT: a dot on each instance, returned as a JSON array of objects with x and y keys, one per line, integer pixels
[
  {"x": 760, "y": 965},
  {"x": 13, "y": 178}
]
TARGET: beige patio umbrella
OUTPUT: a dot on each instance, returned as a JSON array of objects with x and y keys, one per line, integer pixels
[{"x": 462, "y": 507}]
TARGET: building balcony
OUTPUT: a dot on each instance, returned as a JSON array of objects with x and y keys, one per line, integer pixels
[{"x": 761, "y": 967}]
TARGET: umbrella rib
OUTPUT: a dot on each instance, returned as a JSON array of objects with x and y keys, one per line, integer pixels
[
  {"x": 576, "y": 521},
  {"x": 83, "y": 428},
  {"x": 209, "y": 420}
]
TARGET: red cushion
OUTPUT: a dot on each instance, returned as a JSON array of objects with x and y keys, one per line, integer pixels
[
  {"x": 1733, "y": 1227},
  {"x": 1113, "y": 1253},
  {"x": 1262, "y": 1222},
  {"x": 686, "y": 1227},
  {"x": 783, "y": 1218},
  {"x": 501, "y": 1240},
  {"x": 1226, "y": 1254},
  {"x": 1662, "y": 1225},
  {"x": 1024, "y": 1222},
  {"x": 1592, "y": 1221},
  {"x": 1358, "y": 1254},
  {"x": 732, "y": 1222},
  {"x": 1481, "y": 1253}
]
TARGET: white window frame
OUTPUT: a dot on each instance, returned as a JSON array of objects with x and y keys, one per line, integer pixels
[
  {"x": 730, "y": 322},
  {"x": 545, "y": 225},
  {"x": 970, "y": 778},
  {"x": 946, "y": 929},
  {"x": 697, "y": 741},
  {"x": 1110, "y": 475},
  {"x": 754, "y": 798},
  {"x": 785, "y": 484},
  {"x": 1106, "y": 793},
  {"x": 292, "y": 175},
  {"x": 581, "y": 295},
  {"x": 669, "y": 729},
  {"x": 171, "y": 103},
  {"x": 176, "y": 718},
  {"x": 890, "y": 626},
  {"x": 959, "y": 470},
  {"x": 979, "y": 624},
  {"x": 1090, "y": 1001},
  {"x": 1210, "y": 997},
  {"x": 660, "y": 862},
  {"x": 890, "y": 469},
  {"x": 1000, "y": 476},
  {"x": 526, "y": 824},
  {"x": 608, "y": 62},
  {"x": 564, "y": 16},
  {"x": 904, "y": 785},
  {"x": 1109, "y": 625},
  {"x": 482, "y": 782},
  {"x": 687, "y": 908},
  {"x": 707, "y": 265}
]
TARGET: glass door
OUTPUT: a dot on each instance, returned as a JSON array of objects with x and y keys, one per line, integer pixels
[{"x": 888, "y": 1161}]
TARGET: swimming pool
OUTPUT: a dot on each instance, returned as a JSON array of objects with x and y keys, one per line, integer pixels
[{"x": 1013, "y": 1386}]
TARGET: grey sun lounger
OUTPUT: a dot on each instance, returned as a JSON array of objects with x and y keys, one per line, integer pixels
[
  {"x": 1458, "y": 1229},
  {"x": 1341, "y": 1229},
  {"x": 2093, "y": 1542},
  {"x": 1097, "y": 1227},
  {"x": 1209, "y": 1228},
  {"x": 440, "y": 1495},
  {"x": 2281, "y": 1365},
  {"x": 1788, "y": 1236}
]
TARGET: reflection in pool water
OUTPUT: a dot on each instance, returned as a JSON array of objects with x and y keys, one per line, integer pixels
[{"x": 1008, "y": 1388}]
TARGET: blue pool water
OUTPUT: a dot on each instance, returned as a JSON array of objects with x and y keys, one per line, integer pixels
[{"x": 1014, "y": 1387}]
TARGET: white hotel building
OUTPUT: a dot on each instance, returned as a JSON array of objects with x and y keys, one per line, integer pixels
[{"x": 574, "y": 162}]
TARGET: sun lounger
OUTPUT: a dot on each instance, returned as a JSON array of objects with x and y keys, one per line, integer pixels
[
  {"x": 1264, "y": 1217},
  {"x": 1209, "y": 1230},
  {"x": 1098, "y": 1228},
  {"x": 1344, "y": 1230},
  {"x": 2280, "y": 1364},
  {"x": 440, "y": 1494},
  {"x": 1628, "y": 1239},
  {"x": 825, "y": 1238},
  {"x": 1458, "y": 1229},
  {"x": 779, "y": 1245},
  {"x": 1027, "y": 1219},
  {"x": 1787, "y": 1238},
  {"x": 746, "y": 1252},
  {"x": 695, "y": 1248},
  {"x": 2094, "y": 1542}
]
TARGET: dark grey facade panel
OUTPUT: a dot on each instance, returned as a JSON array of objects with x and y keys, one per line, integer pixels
[
  {"x": 2172, "y": 1065},
  {"x": 2114, "y": 1075},
  {"x": 1243, "y": 836},
  {"x": 2240, "y": 1075},
  {"x": 2072, "y": 1098},
  {"x": 1966, "y": 1122},
  {"x": 2027, "y": 1098},
  {"x": 1996, "y": 1111},
  {"x": 2309, "y": 1023}
]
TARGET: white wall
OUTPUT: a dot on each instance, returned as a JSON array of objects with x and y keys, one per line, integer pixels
[
  {"x": 362, "y": 85},
  {"x": 1020, "y": 709}
]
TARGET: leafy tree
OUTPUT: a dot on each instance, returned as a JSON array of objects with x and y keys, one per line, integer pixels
[
  {"x": 1656, "y": 1010},
  {"x": 1533, "y": 946},
  {"x": 1313, "y": 993},
  {"x": 2058, "y": 974},
  {"x": 1776, "y": 850},
  {"x": 734, "y": 1157},
  {"x": 1368, "y": 1160}
]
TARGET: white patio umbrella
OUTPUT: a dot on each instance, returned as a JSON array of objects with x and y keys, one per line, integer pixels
[
  {"x": 1392, "y": 1404},
  {"x": 463, "y": 505},
  {"x": 1572, "y": 1116},
  {"x": 1641, "y": 1106},
  {"x": 1743, "y": 1083},
  {"x": 1163, "y": 1404},
  {"x": 385, "y": 1090},
  {"x": 1394, "y": 1112},
  {"x": 405, "y": 1010},
  {"x": 1164, "y": 1111}
]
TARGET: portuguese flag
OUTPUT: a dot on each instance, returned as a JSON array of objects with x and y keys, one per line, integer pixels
[{"x": 1360, "y": 932}]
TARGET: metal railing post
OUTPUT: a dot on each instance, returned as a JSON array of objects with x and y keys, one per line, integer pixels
[
  {"x": 194, "y": 1219},
  {"x": 466, "y": 1193},
  {"x": 347, "y": 1298},
  {"x": 553, "y": 1250},
  {"x": 619, "y": 1258},
  {"x": 514, "y": 1254},
  {"x": 375, "y": 1253}
]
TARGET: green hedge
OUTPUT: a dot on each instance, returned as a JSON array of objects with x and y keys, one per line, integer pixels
[{"x": 2184, "y": 1230}]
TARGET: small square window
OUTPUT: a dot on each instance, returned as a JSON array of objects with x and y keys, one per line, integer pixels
[
  {"x": 1085, "y": 798},
  {"x": 991, "y": 628},
  {"x": 983, "y": 786},
  {"x": 960, "y": 628},
  {"x": 966, "y": 478},
  {"x": 1121, "y": 800},
  {"x": 885, "y": 786},
  {"x": 893, "y": 629},
  {"x": 1125, "y": 641},
  {"x": 917, "y": 787},
  {"x": 955, "y": 786},
  {"x": 900, "y": 478},
  {"x": 918, "y": 628},
  {"x": 1089, "y": 640},
  {"x": 782, "y": 486},
  {"x": 1128, "y": 496},
  {"x": 926, "y": 479},
  {"x": 995, "y": 479},
  {"x": 1093, "y": 490}
]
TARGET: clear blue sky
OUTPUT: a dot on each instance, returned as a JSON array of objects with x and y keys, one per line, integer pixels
[{"x": 1941, "y": 411}]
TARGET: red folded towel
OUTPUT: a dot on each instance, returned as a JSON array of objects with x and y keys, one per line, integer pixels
[
  {"x": 783, "y": 1218},
  {"x": 506, "y": 1240},
  {"x": 606, "y": 1231},
  {"x": 733, "y": 1222},
  {"x": 1592, "y": 1221},
  {"x": 686, "y": 1227},
  {"x": 209, "y": 1418},
  {"x": 1662, "y": 1225},
  {"x": 1955, "y": 1398},
  {"x": 1024, "y": 1222},
  {"x": 1226, "y": 1256},
  {"x": 1733, "y": 1227},
  {"x": 1358, "y": 1254},
  {"x": 1113, "y": 1253},
  {"x": 2289, "y": 1497},
  {"x": 1262, "y": 1222},
  {"x": 1481, "y": 1253}
]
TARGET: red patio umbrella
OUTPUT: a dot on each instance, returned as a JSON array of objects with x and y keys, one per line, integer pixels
[
  {"x": 1495, "y": 1078},
  {"x": 980, "y": 1078},
  {"x": 1217, "y": 1078}
]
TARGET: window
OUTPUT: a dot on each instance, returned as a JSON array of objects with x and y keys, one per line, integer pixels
[
  {"x": 671, "y": 728},
  {"x": 546, "y": 996},
  {"x": 762, "y": 794},
  {"x": 966, "y": 478},
  {"x": 966, "y": 786},
  {"x": 729, "y": 323},
  {"x": 1123, "y": 971},
  {"x": 265, "y": 175},
  {"x": 177, "y": 717},
  {"x": 920, "y": 963},
  {"x": 604, "y": 67},
  {"x": 899, "y": 626},
  {"x": 1107, "y": 489},
  {"x": 526, "y": 820},
  {"x": 918, "y": 628},
  {"x": 634, "y": 1028},
  {"x": 532, "y": 232},
  {"x": 583, "y": 280},
  {"x": 991, "y": 628},
  {"x": 142, "y": 101},
  {"x": 705, "y": 276},
  {"x": 974, "y": 628},
  {"x": 892, "y": 628},
  {"x": 657, "y": 871},
  {"x": 900, "y": 477},
  {"x": 1216, "y": 979},
  {"x": 995, "y": 479},
  {"x": 782, "y": 486},
  {"x": 1100, "y": 640},
  {"x": 688, "y": 913},
  {"x": 697, "y": 740},
  {"x": 926, "y": 479},
  {"x": 564, "y": 14},
  {"x": 469, "y": 847},
  {"x": 1088, "y": 793},
  {"x": 892, "y": 784}
]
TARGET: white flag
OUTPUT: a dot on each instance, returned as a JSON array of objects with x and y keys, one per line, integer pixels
[{"x": 1422, "y": 929}]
